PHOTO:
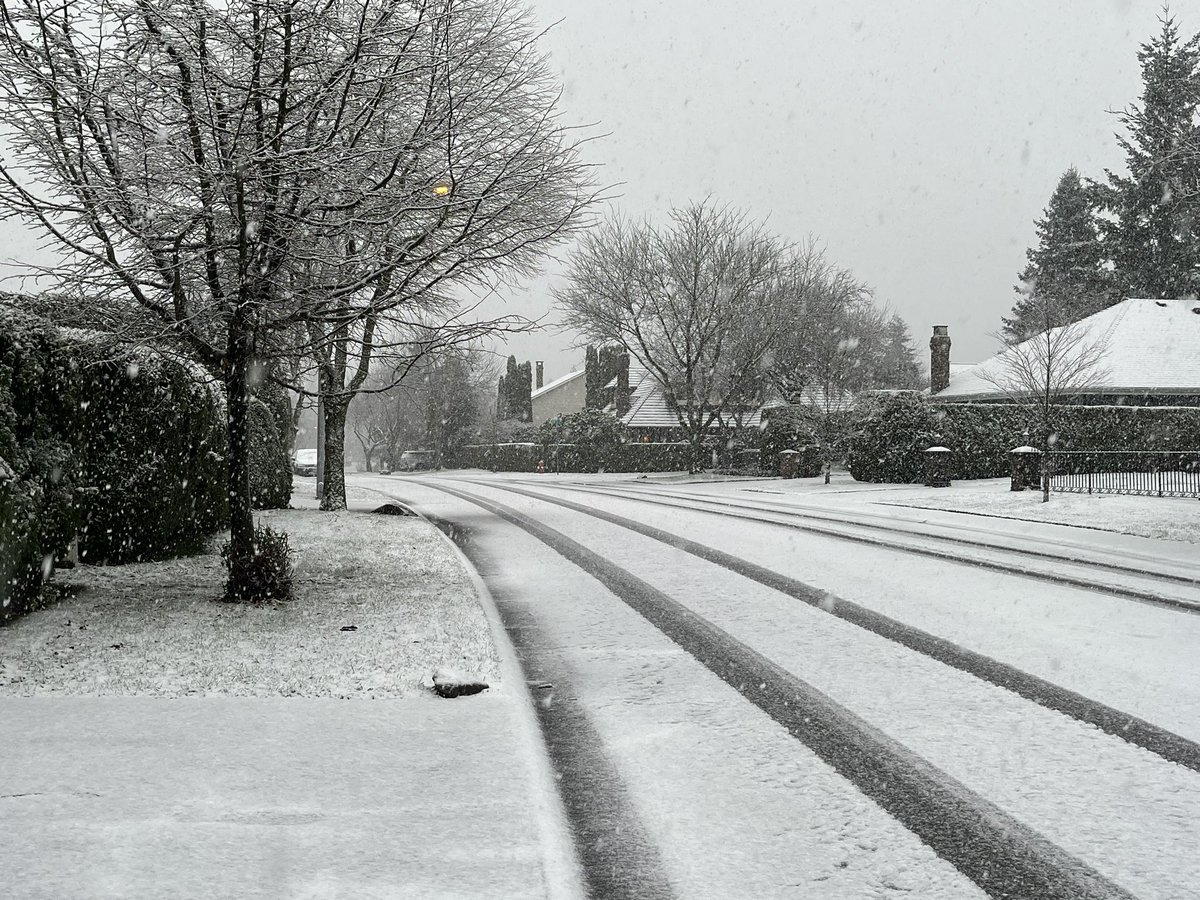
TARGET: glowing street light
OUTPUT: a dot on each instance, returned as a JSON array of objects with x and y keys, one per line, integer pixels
[{"x": 442, "y": 190}]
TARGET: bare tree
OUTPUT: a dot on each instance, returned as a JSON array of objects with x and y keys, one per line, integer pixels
[
  {"x": 438, "y": 404},
  {"x": 1047, "y": 370},
  {"x": 694, "y": 303},
  {"x": 233, "y": 170}
]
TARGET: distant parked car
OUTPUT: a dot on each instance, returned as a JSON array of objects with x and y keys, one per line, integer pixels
[
  {"x": 411, "y": 460},
  {"x": 304, "y": 462}
]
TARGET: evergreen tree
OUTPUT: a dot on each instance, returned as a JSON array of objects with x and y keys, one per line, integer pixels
[
  {"x": 1154, "y": 235},
  {"x": 600, "y": 367},
  {"x": 521, "y": 389},
  {"x": 1065, "y": 271},
  {"x": 896, "y": 365},
  {"x": 591, "y": 379},
  {"x": 514, "y": 395}
]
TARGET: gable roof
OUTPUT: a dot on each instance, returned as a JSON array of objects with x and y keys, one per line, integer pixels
[
  {"x": 556, "y": 383},
  {"x": 1153, "y": 347},
  {"x": 648, "y": 406}
]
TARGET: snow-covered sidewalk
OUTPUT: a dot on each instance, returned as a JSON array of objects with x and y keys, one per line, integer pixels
[
  {"x": 158, "y": 743},
  {"x": 143, "y": 797}
]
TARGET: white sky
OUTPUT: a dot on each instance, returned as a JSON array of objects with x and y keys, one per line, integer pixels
[{"x": 919, "y": 140}]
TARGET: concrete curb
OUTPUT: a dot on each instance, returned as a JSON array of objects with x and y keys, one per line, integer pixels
[
  {"x": 564, "y": 878},
  {"x": 560, "y": 862}
]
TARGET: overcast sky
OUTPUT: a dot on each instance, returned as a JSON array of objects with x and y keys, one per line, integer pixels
[{"x": 919, "y": 140}]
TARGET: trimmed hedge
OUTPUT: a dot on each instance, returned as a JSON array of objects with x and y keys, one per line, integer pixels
[
  {"x": 124, "y": 447},
  {"x": 891, "y": 432},
  {"x": 40, "y": 430},
  {"x": 661, "y": 457},
  {"x": 154, "y": 450}
]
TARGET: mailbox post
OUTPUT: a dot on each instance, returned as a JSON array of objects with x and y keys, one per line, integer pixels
[
  {"x": 1025, "y": 463},
  {"x": 937, "y": 467}
]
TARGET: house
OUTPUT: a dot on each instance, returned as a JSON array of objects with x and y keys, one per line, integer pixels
[
  {"x": 651, "y": 413},
  {"x": 1151, "y": 358},
  {"x": 560, "y": 397}
]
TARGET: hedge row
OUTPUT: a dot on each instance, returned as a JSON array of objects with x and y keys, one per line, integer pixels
[
  {"x": 123, "y": 447},
  {"x": 646, "y": 457},
  {"x": 890, "y": 433},
  {"x": 40, "y": 429}
]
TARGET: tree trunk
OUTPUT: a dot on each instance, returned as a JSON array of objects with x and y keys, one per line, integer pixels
[
  {"x": 241, "y": 518},
  {"x": 333, "y": 494},
  {"x": 297, "y": 412},
  {"x": 697, "y": 442},
  {"x": 368, "y": 452}
]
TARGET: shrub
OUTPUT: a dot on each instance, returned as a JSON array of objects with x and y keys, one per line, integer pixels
[
  {"x": 270, "y": 576},
  {"x": 270, "y": 467},
  {"x": 788, "y": 428},
  {"x": 888, "y": 435},
  {"x": 591, "y": 427}
]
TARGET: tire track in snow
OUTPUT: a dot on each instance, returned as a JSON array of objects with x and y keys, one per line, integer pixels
[
  {"x": 618, "y": 858},
  {"x": 1004, "y": 857},
  {"x": 877, "y": 522},
  {"x": 1166, "y": 744},
  {"x": 673, "y": 502}
]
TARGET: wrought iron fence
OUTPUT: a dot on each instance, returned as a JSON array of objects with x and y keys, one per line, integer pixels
[{"x": 1158, "y": 473}]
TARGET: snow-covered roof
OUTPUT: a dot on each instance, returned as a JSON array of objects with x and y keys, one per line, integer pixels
[
  {"x": 558, "y": 382},
  {"x": 648, "y": 406},
  {"x": 1152, "y": 347}
]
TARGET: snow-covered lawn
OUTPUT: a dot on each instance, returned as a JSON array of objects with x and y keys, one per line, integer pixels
[
  {"x": 1168, "y": 518},
  {"x": 381, "y": 603}
]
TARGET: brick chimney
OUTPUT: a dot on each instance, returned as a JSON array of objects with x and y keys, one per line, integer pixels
[
  {"x": 541, "y": 374},
  {"x": 939, "y": 358}
]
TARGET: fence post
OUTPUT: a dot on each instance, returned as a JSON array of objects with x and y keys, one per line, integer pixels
[
  {"x": 1089, "y": 479},
  {"x": 1160, "y": 481}
]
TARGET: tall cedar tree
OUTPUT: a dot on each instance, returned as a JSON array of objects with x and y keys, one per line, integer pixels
[
  {"x": 514, "y": 392},
  {"x": 600, "y": 367},
  {"x": 1065, "y": 271},
  {"x": 1153, "y": 235}
]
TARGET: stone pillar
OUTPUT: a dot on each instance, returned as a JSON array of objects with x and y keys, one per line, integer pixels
[
  {"x": 541, "y": 372},
  {"x": 939, "y": 358}
]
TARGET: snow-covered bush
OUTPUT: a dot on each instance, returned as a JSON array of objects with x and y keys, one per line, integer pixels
[
  {"x": 888, "y": 434},
  {"x": 582, "y": 442},
  {"x": 654, "y": 457},
  {"x": 270, "y": 467},
  {"x": 40, "y": 426},
  {"x": 154, "y": 452},
  {"x": 270, "y": 574},
  {"x": 791, "y": 428}
]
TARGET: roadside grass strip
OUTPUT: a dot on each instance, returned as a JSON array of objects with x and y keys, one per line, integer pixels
[{"x": 381, "y": 602}]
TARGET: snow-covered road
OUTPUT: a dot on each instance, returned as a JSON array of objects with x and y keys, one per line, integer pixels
[{"x": 717, "y": 798}]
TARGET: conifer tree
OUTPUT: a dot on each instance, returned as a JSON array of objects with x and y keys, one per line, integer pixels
[
  {"x": 1065, "y": 271},
  {"x": 1153, "y": 236}
]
